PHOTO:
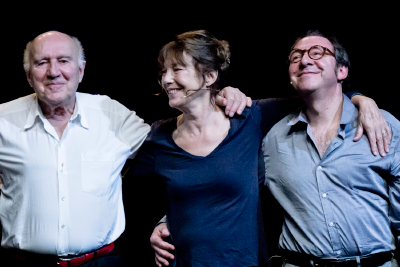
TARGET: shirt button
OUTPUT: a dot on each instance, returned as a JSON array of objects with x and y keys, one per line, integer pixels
[
  {"x": 62, "y": 226},
  {"x": 331, "y": 224},
  {"x": 319, "y": 168},
  {"x": 324, "y": 195},
  {"x": 63, "y": 198}
]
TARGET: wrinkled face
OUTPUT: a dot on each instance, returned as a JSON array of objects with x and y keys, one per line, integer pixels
[
  {"x": 177, "y": 80},
  {"x": 309, "y": 74},
  {"x": 54, "y": 70}
]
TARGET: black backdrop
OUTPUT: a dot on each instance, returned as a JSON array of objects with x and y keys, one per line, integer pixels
[{"x": 121, "y": 43}]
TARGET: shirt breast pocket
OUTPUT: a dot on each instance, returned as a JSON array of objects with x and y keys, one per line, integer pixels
[
  {"x": 96, "y": 172},
  {"x": 285, "y": 155}
]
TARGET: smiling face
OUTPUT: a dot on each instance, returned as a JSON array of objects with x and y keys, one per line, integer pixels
[
  {"x": 54, "y": 71},
  {"x": 177, "y": 80},
  {"x": 309, "y": 75}
]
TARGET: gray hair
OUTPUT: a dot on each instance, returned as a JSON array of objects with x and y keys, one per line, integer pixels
[{"x": 28, "y": 53}]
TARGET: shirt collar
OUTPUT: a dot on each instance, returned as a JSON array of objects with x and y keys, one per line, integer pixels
[
  {"x": 349, "y": 113},
  {"x": 78, "y": 113},
  {"x": 35, "y": 111}
]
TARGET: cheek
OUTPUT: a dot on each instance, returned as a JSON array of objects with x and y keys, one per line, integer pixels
[
  {"x": 291, "y": 72},
  {"x": 70, "y": 73},
  {"x": 38, "y": 75}
]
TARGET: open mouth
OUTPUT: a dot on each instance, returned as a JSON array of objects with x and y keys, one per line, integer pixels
[{"x": 173, "y": 91}]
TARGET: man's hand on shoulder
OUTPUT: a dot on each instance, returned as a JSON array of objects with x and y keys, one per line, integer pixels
[
  {"x": 233, "y": 100},
  {"x": 372, "y": 121},
  {"x": 160, "y": 246}
]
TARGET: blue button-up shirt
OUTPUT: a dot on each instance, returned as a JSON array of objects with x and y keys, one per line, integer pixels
[{"x": 341, "y": 204}]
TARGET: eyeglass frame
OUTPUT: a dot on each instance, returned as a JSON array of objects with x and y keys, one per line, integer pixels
[{"x": 325, "y": 51}]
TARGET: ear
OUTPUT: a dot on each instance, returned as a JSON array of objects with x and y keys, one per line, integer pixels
[
  {"x": 82, "y": 71},
  {"x": 28, "y": 77},
  {"x": 342, "y": 73},
  {"x": 211, "y": 77}
]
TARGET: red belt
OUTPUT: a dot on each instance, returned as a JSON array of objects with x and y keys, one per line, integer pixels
[{"x": 63, "y": 262}]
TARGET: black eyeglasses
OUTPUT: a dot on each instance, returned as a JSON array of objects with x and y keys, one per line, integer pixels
[{"x": 314, "y": 52}]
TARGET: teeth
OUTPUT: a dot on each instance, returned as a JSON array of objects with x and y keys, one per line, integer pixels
[{"x": 172, "y": 91}]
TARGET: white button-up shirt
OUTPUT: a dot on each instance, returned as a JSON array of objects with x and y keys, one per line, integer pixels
[{"x": 64, "y": 196}]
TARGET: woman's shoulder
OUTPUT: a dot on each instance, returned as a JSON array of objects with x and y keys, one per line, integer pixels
[
  {"x": 163, "y": 124},
  {"x": 162, "y": 127}
]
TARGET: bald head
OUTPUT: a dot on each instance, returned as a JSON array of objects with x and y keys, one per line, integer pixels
[{"x": 52, "y": 35}]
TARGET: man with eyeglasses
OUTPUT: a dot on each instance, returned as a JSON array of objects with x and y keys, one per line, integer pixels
[{"x": 341, "y": 203}]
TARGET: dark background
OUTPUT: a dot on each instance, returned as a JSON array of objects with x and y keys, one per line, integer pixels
[{"x": 121, "y": 44}]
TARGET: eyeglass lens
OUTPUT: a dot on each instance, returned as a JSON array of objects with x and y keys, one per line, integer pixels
[{"x": 315, "y": 52}]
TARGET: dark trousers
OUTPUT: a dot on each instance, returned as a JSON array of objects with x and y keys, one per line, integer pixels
[{"x": 111, "y": 259}]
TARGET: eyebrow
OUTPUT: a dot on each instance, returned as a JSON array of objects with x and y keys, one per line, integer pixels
[{"x": 36, "y": 60}]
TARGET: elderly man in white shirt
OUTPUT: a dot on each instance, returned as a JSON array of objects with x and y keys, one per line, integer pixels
[
  {"x": 61, "y": 154},
  {"x": 60, "y": 160}
]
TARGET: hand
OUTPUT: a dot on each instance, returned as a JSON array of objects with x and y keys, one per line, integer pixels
[
  {"x": 372, "y": 121},
  {"x": 233, "y": 100},
  {"x": 160, "y": 247}
]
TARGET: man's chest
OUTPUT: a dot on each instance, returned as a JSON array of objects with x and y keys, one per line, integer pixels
[
  {"x": 293, "y": 164},
  {"x": 36, "y": 151},
  {"x": 323, "y": 139}
]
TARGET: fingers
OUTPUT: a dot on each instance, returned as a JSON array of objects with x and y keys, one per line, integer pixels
[
  {"x": 161, "y": 262},
  {"x": 230, "y": 106},
  {"x": 379, "y": 142},
  {"x": 383, "y": 136},
  {"x": 160, "y": 246},
  {"x": 233, "y": 100},
  {"x": 158, "y": 263},
  {"x": 240, "y": 103},
  {"x": 249, "y": 102},
  {"x": 375, "y": 125},
  {"x": 156, "y": 240},
  {"x": 359, "y": 133},
  {"x": 162, "y": 256},
  {"x": 236, "y": 104},
  {"x": 387, "y": 137},
  {"x": 220, "y": 101},
  {"x": 372, "y": 141}
]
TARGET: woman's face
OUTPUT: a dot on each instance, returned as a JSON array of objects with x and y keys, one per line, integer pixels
[{"x": 177, "y": 80}]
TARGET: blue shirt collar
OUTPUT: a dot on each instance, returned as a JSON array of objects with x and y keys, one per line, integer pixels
[{"x": 348, "y": 115}]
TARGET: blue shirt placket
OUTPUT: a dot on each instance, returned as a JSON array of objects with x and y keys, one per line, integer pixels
[{"x": 321, "y": 177}]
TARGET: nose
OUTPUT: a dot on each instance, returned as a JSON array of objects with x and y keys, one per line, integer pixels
[
  {"x": 53, "y": 70},
  {"x": 305, "y": 59},
  {"x": 168, "y": 77}
]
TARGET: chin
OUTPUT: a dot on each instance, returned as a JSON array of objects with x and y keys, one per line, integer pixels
[
  {"x": 57, "y": 98},
  {"x": 175, "y": 103},
  {"x": 306, "y": 86}
]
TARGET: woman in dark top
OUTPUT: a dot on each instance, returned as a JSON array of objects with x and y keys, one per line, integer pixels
[{"x": 207, "y": 161}]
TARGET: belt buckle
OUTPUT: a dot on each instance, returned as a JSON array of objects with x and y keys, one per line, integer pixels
[{"x": 63, "y": 259}]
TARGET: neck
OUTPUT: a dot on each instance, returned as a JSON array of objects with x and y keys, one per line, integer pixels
[
  {"x": 58, "y": 112},
  {"x": 323, "y": 106},
  {"x": 199, "y": 118}
]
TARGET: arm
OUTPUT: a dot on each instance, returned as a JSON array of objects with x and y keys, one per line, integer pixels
[{"x": 273, "y": 110}]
